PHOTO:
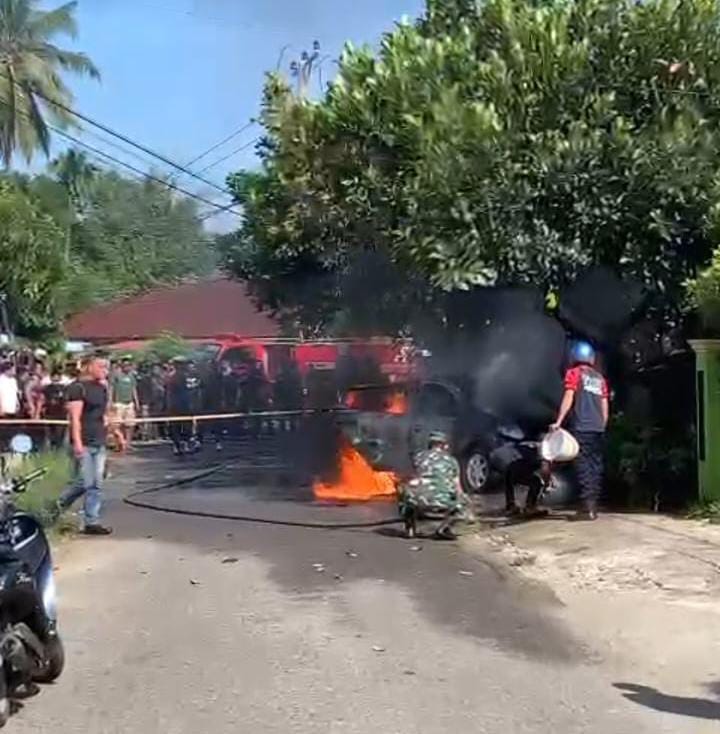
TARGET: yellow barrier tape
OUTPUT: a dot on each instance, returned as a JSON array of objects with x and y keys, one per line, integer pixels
[{"x": 171, "y": 418}]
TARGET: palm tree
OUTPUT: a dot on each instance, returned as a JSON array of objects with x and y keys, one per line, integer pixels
[
  {"x": 31, "y": 75},
  {"x": 75, "y": 172}
]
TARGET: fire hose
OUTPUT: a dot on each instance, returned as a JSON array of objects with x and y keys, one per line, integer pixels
[{"x": 133, "y": 499}]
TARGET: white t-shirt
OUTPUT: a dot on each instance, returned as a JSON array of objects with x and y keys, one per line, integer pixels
[{"x": 9, "y": 395}]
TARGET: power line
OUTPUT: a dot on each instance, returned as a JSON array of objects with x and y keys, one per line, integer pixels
[
  {"x": 221, "y": 143},
  {"x": 119, "y": 136},
  {"x": 210, "y": 215},
  {"x": 215, "y": 20},
  {"x": 145, "y": 174},
  {"x": 230, "y": 155}
]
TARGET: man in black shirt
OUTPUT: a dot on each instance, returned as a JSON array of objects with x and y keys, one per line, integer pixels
[
  {"x": 53, "y": 408},
  {"x": 87, "y": 407},
  {"x": 184, "y": 398}
]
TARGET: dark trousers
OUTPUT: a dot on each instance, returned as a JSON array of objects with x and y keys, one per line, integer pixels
[
  {"x": 589, "y": 466},
  {"x": 180, "y": 432},
  {"x": 56, "y": 436}
]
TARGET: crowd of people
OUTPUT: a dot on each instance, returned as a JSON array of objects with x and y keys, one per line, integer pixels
[{"x": 31, "y": 389}]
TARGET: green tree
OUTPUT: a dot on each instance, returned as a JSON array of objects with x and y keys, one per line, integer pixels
[
  {"x": 31, "y": 68},
  {"x": 76, "y": 173},
  {"x": 33, "y": 267},
  {"x": 133, "y": 235},
  {"x": 508, "y": 141}
]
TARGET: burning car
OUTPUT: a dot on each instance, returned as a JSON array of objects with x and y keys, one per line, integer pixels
[{"x": 387, "y": 424}]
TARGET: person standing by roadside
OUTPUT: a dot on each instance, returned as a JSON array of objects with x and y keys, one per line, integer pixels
[
  {"x": 124, "y": 403},
  {"x": 34, "y": 386},
  {"x": 179, "y": 404},
  {"x": 586, "y": 402},
  {"x": 9, "y": 392},
  {"x": 54, "y": 408},
  {"x": 87, "y": 407},
  {"x": 9, "y": 401}
]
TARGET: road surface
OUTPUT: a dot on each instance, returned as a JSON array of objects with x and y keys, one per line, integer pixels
[{"x": 183, "y": 625}]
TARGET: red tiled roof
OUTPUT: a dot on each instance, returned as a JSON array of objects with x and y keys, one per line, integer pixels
[{"x": 192, "y": 310}]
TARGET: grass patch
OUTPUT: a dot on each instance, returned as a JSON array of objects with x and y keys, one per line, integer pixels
[
  {"x": 707, "y": 510},
  {"x": 40, "y": 497}
]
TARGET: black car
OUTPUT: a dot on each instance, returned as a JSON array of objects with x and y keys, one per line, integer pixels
[{"x": 389, "y": 423}]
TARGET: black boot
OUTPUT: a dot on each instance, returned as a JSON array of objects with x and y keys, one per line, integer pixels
[{"x": 410, "y": 524}]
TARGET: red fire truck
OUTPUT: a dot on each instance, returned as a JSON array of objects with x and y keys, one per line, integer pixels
[{"x": 397, "y": 359}]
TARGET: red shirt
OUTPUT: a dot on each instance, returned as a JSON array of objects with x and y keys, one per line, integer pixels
[{"x": 590, "y": 389}]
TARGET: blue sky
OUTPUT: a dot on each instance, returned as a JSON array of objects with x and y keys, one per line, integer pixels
[{"x": 180, "y": 75}]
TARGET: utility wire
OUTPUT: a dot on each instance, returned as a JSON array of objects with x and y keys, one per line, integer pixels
[
  {"x": 119, "y": 136},
  {"x": 230, "y": 155},
  {"x": 221, "y": 143},
  {"x": 145, "y": 174},
  {"x": 210, "y": 215}
]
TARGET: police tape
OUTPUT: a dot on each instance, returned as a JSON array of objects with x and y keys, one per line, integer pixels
[{"x": 199, "y": 418}]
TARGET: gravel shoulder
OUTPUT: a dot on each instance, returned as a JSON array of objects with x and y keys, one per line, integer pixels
[{"x": 644, "y": 590}]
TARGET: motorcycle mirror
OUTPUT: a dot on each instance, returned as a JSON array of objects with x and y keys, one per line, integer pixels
[{"x": 21, "y": 444}]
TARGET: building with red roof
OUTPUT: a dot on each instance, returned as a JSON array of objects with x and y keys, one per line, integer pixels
[{"x": 195, "y": 310}]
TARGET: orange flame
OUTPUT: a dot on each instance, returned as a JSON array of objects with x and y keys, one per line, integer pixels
[
  {"x": 397, "y": 404},
  {"x": 357, "y": 480}
]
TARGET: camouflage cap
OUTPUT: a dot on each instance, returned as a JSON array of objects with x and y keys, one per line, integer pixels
[{"x": 438, "y": 437}]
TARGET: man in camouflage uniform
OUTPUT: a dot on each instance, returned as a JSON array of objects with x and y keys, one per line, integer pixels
[{"x": 434, "y": 490}]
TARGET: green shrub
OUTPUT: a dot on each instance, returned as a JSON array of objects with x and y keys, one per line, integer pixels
[
  {"x": 40, "y": 497},
  {"x": 164, "y": 348},
  {"x": 704, "y": 295},
  {"x": 648, "y": 466}
]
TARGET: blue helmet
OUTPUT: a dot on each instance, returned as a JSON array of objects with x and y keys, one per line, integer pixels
[{"x": 583, "y": 352}]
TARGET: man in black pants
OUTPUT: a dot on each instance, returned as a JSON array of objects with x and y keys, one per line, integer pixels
[
  {"x": 586, "y": 404},
  {"x": 179, "y": 403}
]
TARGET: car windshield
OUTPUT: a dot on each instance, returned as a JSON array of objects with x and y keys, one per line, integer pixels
[{"x": 389, "y": 399}]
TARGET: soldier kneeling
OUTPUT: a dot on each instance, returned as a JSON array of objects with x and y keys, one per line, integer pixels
[{"x": 435, "y": 490}]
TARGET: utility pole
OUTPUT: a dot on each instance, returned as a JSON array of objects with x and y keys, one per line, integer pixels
[{"x": 301, "y": 70}]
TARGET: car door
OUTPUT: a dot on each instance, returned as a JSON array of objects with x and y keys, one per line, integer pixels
[{"x": 435, "y": 408}]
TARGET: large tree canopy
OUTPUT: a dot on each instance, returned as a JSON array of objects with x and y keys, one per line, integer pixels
[
  {"x": 132, "y": 235},
  {"x": 32, "y": 264},
  {"x": 506, "y": 141},
  {"x": 83, "y": 235}
]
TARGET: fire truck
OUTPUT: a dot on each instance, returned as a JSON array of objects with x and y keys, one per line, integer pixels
[{"x": 397, "y": 358}]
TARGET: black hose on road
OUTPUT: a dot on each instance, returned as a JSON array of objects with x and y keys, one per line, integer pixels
[{"x": 132, "y": 501}]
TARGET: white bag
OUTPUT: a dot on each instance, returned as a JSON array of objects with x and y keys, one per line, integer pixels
[{"x": 559, "y": 446}]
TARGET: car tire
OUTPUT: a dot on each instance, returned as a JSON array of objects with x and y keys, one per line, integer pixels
[{"x": 475, "y": 471}]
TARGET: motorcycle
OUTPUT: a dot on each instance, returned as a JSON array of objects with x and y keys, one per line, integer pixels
[
  {"x": 31, "y": 650},
  {"x": 522, "y": 455}
]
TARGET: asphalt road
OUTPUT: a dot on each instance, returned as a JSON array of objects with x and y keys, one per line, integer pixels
[{"x": 182, "y": 625}]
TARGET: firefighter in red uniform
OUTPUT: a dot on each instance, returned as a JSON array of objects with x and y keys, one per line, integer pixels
[{"x": 585, "y": 405}]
